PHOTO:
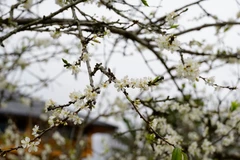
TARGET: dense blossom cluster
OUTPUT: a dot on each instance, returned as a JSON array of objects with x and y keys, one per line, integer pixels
[
  {"x": 141, "y": 83},
  {"x": 189, "y": 70}
]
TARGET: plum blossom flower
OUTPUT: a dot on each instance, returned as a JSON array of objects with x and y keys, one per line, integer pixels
[
  {"x": 86, "y": 57},
  {"x": 60, "y": 140},
  {"x": 34, "y": 146},
  {"x": 189, "y": 70},
  {"x": 28, "y": 4},
  {"x": 55, "y": 34},
  {"x": 75, "y": 119},
  {"x": 61, "y": 3},
  {"x": 168, "y": 42},
  {"x": 74, "y": 96},
  {"x": 75, "y": 69},
  {"x": 90, "y": 93},
  {"x": 63, "y": 114},
  {"x": 25, "y": 142},
  {"x": 172, "y": 18},
  {"x": 49, "y": 103},
  {"x": 35, "y": 131}
]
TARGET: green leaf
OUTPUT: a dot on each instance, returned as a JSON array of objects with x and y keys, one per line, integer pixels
[
  {"x": 66, "y": 63},
  {"x": 185, "y": 157},
  {"x": 174, "y": 26},
  {"x": 145, "y": 2},
  {"x": 234, "y": 105},
  {"x": 177, "y": 154}
]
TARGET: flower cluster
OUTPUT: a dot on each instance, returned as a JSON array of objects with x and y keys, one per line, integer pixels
[
  {"x": 48, "y": 104},
  {"x": 59, "y": 115},
  {"x": 172, "y": 18},
  {"x": 90, "y": 93},
  {"x": 173, "y": 106},
  {"x": 189, "y": 70},
  {"x": 163, "y": 128},
  {"x": 32, "y": 146},
  {"x": 141, "y": 83},
  {"x": 168, "y": 42}
]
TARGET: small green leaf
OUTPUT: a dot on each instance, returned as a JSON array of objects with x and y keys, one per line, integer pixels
[
  {"x": 234, "y": 105},
  {"x": 66, "y": 63},
  {"x": 185, "y": 157},
  {"x": 174, "y": 26},
  {"x": 145, "y": 2},
  {"x": 177, "y": 154}
]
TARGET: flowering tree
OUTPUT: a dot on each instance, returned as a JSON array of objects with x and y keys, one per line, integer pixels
[{"x": 180, "y": 112}]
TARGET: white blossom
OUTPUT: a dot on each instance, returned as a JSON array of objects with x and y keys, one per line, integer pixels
[
  {"x": 90, "y": 93},
  {"x": 189, "y": 70},
  {"x": 27, "y": 4},
  {"x": 208, "y": 147},
  {"x": 210, "y": 81},
  {"x": 193, "y": 149},
  {"x": 35, "y": 131},
  {"x": 107, "y": 32},
  {"x": 172, "y": 18},
  {"x": 51, "y": 121},
  {"x": 75, "y": 69},
  {"x": 75, "y": 119},
  {"x": 86, "y": 57},
  {"x": 61, "y": 3},
  {"x": 168, "y": 42},
  {"x": 49, "y": 103},
  {"x": 74, "y": 96},
  {"x": 55, "y": 34},
  {"x": 64, "y": 114},
  {"x": 25, "y": 142},
  {"x": 34, "y": 146},
  {"x": 60, "y": 140}
]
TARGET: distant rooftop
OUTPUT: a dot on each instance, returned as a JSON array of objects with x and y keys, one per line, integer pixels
[{"x": 16, "y": 108}]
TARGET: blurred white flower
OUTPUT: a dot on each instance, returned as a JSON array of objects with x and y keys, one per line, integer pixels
[
  {"x": 74, "y": 96},
  {"x": 189, "y": 70},
  {"x": 75, "y": 69},
  {"x": 49, "y": 103},
  {"x": 60, "y": 140},
  {"x": 35, "y": 131},
  {"x": 27, "y": 4},
  {"x": 168, "y": 42},
  {"x": 61, "y": 3},
  {"x": 171, "y": 18},
  {"x": 55, "y": 34}
]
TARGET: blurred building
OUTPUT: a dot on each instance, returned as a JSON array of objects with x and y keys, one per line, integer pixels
[{"x": 26, "y": 116}]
